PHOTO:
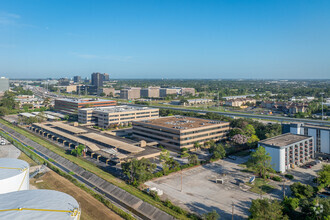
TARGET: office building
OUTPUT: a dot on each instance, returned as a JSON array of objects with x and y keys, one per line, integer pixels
[
  {"x": 106, "y": 77},
  {"x": 163, "y": 92},
  {"x": 4, "y": 84},
  {"x": 76, "y": 79},
  {"x": 150, "y": 92},
  {"x": 107, "y": 91},
  {"x": 71, "y": 106},
  {"x": 188, "y": 91},
  {"x": 130, "y": 93},
  {"x": 180, "y": 132},
  {"x": 119, "y": 115},
  {"x": 97, "y": 80},
  {"x": 288, "y": 150},
  {"x": 321, "y": 135}
]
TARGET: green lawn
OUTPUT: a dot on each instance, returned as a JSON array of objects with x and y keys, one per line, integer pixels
[
  {"x": 260, "y": 186},
  {"x": 92, "y": 168}
]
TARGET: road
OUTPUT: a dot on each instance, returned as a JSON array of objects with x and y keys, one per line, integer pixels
[
  {"x": 118, "y": 196},
  {"x": 232, "y": 114}
]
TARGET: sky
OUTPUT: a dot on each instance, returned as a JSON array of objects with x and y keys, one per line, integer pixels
[{"x": 165, "y": 38}]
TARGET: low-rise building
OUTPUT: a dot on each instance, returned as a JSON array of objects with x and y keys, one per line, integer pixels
[
  {"x": 71, "y": 106},
  {"x": 180, "y": 132},
  {"x": 115, "y": 115},
  {"x": 198, "y": 101},
  {"x": 288, "y": 150}
]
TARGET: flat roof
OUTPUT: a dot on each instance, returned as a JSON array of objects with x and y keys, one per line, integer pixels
[
  {"x": 181, "y": 122},
  {"x": 284, "y": 140},
  {"x": 120, "y": 108},
  {"x": 85, "y": 100},
  {"x": 89, "y": 144},
  {"x": 68, "y": 128},
  {"x": 316, "y": 126},
  {"x": 113, "y": 142}
]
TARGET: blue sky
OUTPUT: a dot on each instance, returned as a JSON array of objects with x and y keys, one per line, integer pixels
[{"x": 165, "y": 39}]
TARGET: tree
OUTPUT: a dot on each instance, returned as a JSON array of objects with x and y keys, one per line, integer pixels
[
  {"x": 102, "y": 94},
  {"x": 249, "y": 130},
  {"x": 197, "y": 145},
  {"x": 193, "y": 159},
  {"x": 4, "y": 111},
  {"x": 266, "y": 209},
  {"x": 253, "y": 141},
  {"x": 235, "y": 131},
  {"x": 239, "y": 139},
  {"x": 301, "y": 191},
  {"x": 46, "y": 102},
  {"x": 324, "y": 177},
  {"x": 138, "y": 171},
  {"x": 260, "y": 162},
  {"x": 213, "y": 215},
  {"x": 217, "y": 151},
  {"x": 78, "y": 151},
  {"x": 290, "y": 205}
]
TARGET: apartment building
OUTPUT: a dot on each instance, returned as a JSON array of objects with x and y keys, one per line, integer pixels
[
  {"x": 119, "y": 115},
  {"x": 180, "y": 132},
  {"x": 288, "y": 150},
  {"x": 321, "y": 135},
  {"x": 71, "y": 106},
  {"x": 150, "y": 92},
  {"x": 130, "y": 93}
]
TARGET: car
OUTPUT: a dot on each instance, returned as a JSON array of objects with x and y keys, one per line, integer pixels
[
  {"x": 318, "y": 161},
  {"x": 232, "y": 157},
  {"x": 308, "y": 166},
  {"x": 323, "y": 196}
]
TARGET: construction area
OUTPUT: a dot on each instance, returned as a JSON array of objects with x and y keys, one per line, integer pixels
[
  {"x": 101, "y": 146},
  {"x": 216, "y": 186}
]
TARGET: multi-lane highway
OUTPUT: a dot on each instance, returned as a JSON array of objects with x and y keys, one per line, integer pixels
[{"x": 243, "y": 115}]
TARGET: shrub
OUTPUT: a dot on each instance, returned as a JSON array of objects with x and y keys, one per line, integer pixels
[
  {"x": 277, "y": 178},
  {"x": 289, "y": 176}
]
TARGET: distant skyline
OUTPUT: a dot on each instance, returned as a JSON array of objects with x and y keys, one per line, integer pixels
[{"x": 220, "y": 39}]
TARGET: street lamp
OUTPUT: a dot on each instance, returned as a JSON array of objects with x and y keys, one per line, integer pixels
[{"x": 322, "y": 93}]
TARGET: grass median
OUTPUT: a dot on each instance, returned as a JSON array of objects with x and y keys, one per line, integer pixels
[{"x": 94, "y": 169}]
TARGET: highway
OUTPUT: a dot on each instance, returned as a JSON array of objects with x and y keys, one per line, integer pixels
[{"x": 243, "y": 115}]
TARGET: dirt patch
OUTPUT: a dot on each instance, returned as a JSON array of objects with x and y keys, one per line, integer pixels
[{"x": 91, "y": 207}]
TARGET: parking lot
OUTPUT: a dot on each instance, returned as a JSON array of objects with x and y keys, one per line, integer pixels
[{"x": 200, "y": 192}]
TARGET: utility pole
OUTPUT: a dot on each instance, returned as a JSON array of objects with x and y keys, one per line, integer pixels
[{"x": 283, "y": 190}]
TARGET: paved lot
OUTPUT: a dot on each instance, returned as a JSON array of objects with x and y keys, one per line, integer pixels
[{"x": 201, "y": 194}]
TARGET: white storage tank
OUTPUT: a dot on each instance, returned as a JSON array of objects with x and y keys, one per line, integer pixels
[
  {"x": 39, "y": 204},
  {"x": 14, "y": 175}
]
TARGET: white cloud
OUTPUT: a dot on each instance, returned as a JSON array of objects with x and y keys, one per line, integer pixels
[{"x": 8, "y": 18}]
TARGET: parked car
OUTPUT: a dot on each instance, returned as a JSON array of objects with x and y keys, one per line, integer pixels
[
  {"x": 309, "y": 166},
  {"x": 232, "y": 157}
]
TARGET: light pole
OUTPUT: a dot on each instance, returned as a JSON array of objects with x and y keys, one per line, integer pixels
[{"x": 322, "y": 93}]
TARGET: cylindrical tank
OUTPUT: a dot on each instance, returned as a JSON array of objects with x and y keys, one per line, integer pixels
[
  {"x": 14, "y": 175},
  {"x": 39, "y": 204}
]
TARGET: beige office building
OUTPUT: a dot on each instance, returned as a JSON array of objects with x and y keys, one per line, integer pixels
[
  {"x": 130, "y": 93},
  {"x": 180, "y": 132},
  {"x": 120, "y": 115},
  {"x": 150, "y": 92}
]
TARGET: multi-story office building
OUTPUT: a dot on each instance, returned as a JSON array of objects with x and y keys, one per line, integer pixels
[
  {"x": 188, "y": 91},
  {"x": 106, "y": 77},
  {"x": 4, "y": 84},
  {"x": 163, "y": 92},
  {"x": 130, "y": 93},
  {"x": 150, "y": 92},
  {"x": 321, "y": 135},
  {"x": 106, "y": 91},
  {"x": 288, "y": 150},
  {"x": 97, "y": 80},
  {"x": 180, "y": 132},
  {"x": 71, "y": 106},
  {"x": 119, "y": 115},
  {"x": 76, "y": 79}
]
